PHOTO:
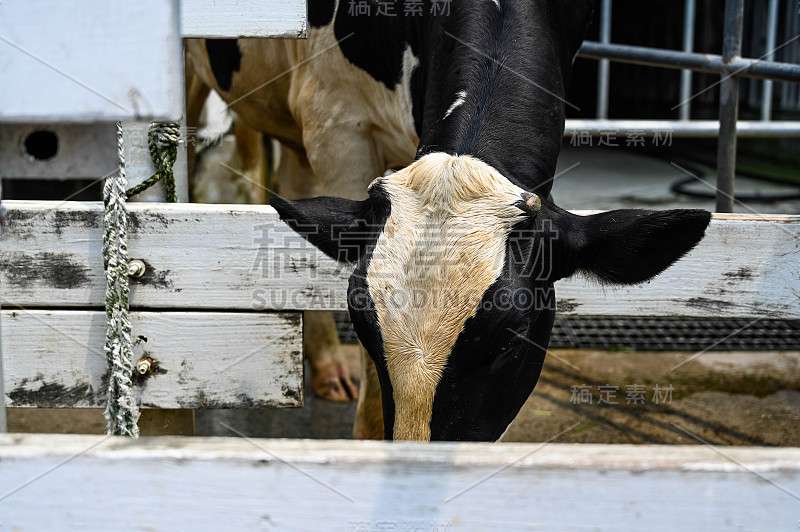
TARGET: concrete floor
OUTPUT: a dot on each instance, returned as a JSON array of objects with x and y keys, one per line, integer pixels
[
  {"x": 602, "y": 178},
  {"x": 727, "y": 398}
]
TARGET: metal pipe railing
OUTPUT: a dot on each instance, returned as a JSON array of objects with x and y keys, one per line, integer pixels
[
  {"x": 730, "y": 65},
  {"x": 729, "y": 106},
  {"x": 737, "y": 66},
  {"x": 681, "y": 128},
  {"x": 772, "y": 31},
  {"x": 688, "y": 47},
  {"x": 790, "y": 94},
  {"x": 604, "y": 65}
]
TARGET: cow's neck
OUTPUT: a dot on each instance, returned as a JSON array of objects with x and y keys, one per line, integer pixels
[{"x": 495, "y": 84}]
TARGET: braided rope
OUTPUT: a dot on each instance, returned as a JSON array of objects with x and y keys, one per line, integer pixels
[
  {"x": 162, "y": 140},
  {"x": 3, "y": 423},
  {"x": 122, "y": 412}
]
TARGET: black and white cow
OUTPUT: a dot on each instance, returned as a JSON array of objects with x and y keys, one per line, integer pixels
[{"x": 455, "y": 254}]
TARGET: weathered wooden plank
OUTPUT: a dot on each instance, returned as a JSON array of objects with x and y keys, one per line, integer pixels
[
  {"x": 746, "y": 266},
  {"x": 243, "y": 257},
  {"x": 202, "y": 359},
  {"x": 243, "y": 18},
  {"x": 198, "y": 256},
  {"x": 90, "y": 61},
  {"x": 79, "y": 151},
  {"x": 224, "y": 483}
]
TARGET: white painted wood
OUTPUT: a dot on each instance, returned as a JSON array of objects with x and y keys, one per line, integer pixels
[
  {"x": 746, "y": 266},
  {"x": 90, "y": 151},
  {"x": 83, "y": 151},
  {"x": 205, "y": 359},
  {"x": 3, "y": 422},
  {"x": 243, "y": 18},
  {"x": 237, "y": 484},
  {"x": 198, "y": 256},
  {"x": 243, "y": 257},
  {"x": 88, "y": 60}
]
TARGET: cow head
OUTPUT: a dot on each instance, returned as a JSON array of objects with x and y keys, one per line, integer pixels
[{"x": 452, "y": 291}]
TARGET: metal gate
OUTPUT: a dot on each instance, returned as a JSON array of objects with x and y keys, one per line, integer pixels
[{"x": 731, "y": 67}]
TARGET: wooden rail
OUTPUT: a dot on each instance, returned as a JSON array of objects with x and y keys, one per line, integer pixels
[
  {"x": 234, "y": 484},
  {"x": 54, "y": 358},
  {"x": 225, "y": 285},
  {"x": 92, "y": 62},
  {"x": 245, "y": 258}
]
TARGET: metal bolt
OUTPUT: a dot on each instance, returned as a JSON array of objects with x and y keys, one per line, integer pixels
[
  {"x": 144, "y": 366},
  {"x": 136, "y": 268}
]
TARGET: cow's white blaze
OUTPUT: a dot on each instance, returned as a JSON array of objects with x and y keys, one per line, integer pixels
[
  {"x": 461, "y": 97},
  {"x": 443, "y": 245},
  {"x": 410, "y": 64}
]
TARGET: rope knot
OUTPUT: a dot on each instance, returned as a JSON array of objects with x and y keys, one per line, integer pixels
[{"x": 163, "y": 139}]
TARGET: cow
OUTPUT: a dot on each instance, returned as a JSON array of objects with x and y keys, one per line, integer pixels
[{"x": 455, "y": 254}]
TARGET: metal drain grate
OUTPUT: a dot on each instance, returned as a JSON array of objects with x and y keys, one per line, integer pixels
[
  {"x": 657, "y": 334},
  {"x": 677, "y": 334}
]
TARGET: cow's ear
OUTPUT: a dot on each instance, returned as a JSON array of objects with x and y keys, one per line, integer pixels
[
  {"x": 628, "y": 245},
  {"x": 337, "y": 227}
]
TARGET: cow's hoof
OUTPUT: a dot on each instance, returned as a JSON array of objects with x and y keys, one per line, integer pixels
[{"x": 333, "y": 382}]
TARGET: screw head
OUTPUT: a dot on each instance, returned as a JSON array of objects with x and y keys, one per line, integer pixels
[
  {"x": 136, "y": 268},
  {"x": 144, "y": 366}
]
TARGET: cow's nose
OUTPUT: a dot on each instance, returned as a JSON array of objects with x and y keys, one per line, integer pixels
[{"x": 533, "y": 203}]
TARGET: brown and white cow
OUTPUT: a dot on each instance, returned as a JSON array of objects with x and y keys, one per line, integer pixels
[{"x": 455, "y": 254}]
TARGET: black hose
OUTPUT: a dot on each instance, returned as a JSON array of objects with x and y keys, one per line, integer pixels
[{"x": 679, "y": 187}]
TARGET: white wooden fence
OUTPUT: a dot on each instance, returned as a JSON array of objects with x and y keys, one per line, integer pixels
[
  {"x": 86, "y": 61},
  {"x": 237, "y": 278},
  {"x": 238, "y": 484},
  {"x": 71, "y": 68},
  {"x": 244, "y": 258}
]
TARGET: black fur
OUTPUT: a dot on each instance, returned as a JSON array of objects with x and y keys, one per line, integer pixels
[
  {"x": 225, "y": 58},
  {"x": 514, "y": 64},
  {"x": 320, "y": 12}
]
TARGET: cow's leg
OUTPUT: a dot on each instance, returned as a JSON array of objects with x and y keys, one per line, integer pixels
[
  {"x": 346, "y": 161},
  {"x": 196, "y": 94},
  {"x": 330, "y": 375},
  {"x": 369, "y": 414},
  {"x": 250, "y": 145}
]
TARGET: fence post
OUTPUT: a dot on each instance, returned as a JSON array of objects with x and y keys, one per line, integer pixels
[
  {"x": 772, "y": 31},
  {"x": 688, "y": 46},
  {"x": 729, "y": 106},
  {"x": 3, "y": 423},
  {"x": 603, "y": 69}
]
